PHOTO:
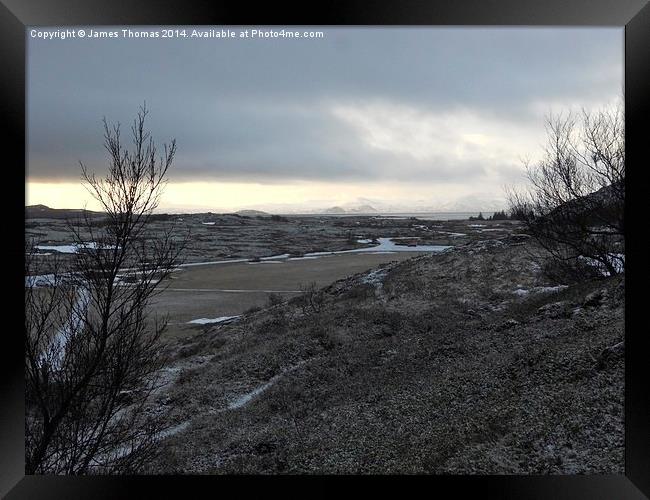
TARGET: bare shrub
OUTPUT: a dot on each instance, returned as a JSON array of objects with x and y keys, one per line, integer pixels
[
  {"x": 574, "y": 206},
  {"x": 274, "y": 299},
  {"x": 91, "y": 343},
  {"x": 311, "y": 300},
  {"x": 562, "y": 271}
]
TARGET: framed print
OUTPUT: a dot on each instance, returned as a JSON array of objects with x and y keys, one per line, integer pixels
[{"x": 373, "y": 240}]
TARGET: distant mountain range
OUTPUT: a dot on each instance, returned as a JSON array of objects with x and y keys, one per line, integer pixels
[
  {"x": 362, "y": 206},
  {"x": 465, "y": 204},
  {"x": 363, "y": 209},
  {"x": 474, "y": 203}
]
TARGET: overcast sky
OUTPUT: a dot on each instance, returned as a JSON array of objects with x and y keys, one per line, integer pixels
[{"x": 417, "y": 117}]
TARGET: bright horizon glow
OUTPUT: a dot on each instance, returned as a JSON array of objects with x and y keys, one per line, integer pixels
[{"x": 230, "y": 197}]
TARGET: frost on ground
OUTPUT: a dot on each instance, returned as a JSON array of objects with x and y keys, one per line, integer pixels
[
  {"x": 249, "y": 396},
  {"x": 475, "y": 379},
  {"x": 74, "y": 248},
  {"x": 42, "y": 280},
  {"x": 206, "y": 321},
  {"x": 616, "y": 260},
  {"x": 522, "y": 292},
  {"x": 453, "y": 235},
  {"x": 375, "y": 278},
  {"x": 171, "y": 431}
]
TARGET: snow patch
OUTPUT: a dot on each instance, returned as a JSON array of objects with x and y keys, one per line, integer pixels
[
  {"x": 616, "y": 260},
  {"x": 207, "y": 321},
  {"x": 40, "y": 280},
  {"x": 375, "y": 278},
  {"x": 248, "y": 397},
  {"x": 59, "y": 248},
  {"x": 210, "y": 262},
  {"x": 453, "y": 235},
  {"x": 173, "y": 430},
  {"x": 550, "y": 289},
  {"x": 74, "y": 248},
  {"x": 522, "y": 292},
  {"x": 244, "y": 399}
]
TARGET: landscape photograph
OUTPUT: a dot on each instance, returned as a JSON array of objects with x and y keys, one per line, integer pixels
[{"x": 324, "y": 250}]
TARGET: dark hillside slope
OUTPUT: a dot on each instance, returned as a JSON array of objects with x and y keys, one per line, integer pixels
[
  {"x": 460, "y": 362},
  {"x": 45, "y": 212}
]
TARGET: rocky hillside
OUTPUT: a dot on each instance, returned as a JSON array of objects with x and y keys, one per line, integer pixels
[
  {"x": 45, "y": 212},
  {"x": 465, "y": 362}
]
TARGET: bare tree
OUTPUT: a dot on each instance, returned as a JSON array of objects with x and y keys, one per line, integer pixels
[
  {"x": 574, "y": 206},
  {"x": 311, "y": 299},
  {"x": 92, "y": 345}
]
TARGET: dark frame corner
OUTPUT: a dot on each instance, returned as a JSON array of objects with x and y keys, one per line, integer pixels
[{"x": 634, "y": 15}]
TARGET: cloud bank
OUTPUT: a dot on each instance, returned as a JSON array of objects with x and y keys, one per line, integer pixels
[{"x": 454, "y": 107}]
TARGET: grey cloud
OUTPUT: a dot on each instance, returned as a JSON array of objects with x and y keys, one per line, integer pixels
[{"x": 257, "y": 109}]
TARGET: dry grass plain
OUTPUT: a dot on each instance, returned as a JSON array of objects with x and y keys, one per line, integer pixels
[{"x": 216, "y": 290}]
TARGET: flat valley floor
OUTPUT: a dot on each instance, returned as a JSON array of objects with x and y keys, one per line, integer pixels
[{"x": 463, "y": 361}]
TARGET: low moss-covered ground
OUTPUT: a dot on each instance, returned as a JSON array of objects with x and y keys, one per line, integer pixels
[{"x": 468, "y": 361}]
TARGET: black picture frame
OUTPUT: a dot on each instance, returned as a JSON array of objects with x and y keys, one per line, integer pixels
[{"x": 634, "y": 15}]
